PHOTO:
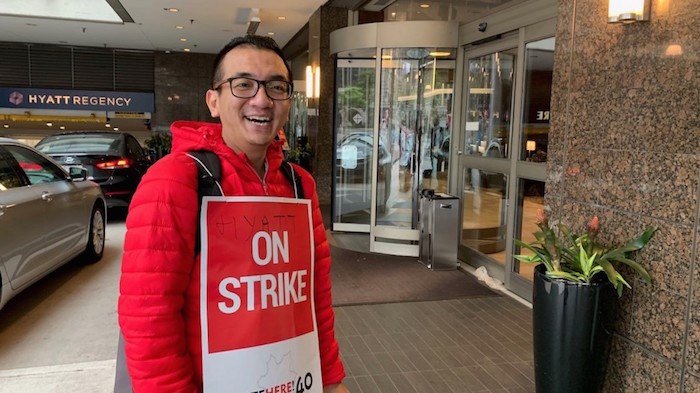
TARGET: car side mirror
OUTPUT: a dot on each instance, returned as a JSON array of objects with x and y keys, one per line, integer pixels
[{"x": 77, "y": 173}]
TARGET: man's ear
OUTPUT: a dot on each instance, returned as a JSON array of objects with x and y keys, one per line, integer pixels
[{"x": 212, "y": 99}]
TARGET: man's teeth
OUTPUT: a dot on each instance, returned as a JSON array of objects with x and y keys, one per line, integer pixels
[{"x": 258, "y": 119}]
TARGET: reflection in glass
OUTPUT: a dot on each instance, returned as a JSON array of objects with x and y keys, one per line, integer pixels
[
  {"x": 490, "y": 88},
  {"x": 484, "y": 212},
  {"x": 530, "y": 199},
  {"x": 297, "y": 125},
  {"x": 414, "y": 126},
  {"x": 355, "y": 81},
  {"x": 539, "y": 62}
]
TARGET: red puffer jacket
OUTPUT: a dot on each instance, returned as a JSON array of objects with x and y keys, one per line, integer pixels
[{"x": 159, "y": 290}]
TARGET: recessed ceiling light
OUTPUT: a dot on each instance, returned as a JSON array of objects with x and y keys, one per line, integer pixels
[
  {"x": 186, "y": 49},
  {"x": 183, "y": 39},
  {"x": 270, "y": 33},
  {"x": 6, "y": 126},
  {"x": 281, "y": 17},
  {"x": 179, "y": 27},
  {"x": 425, "y": 6},
  {"x": 116, "y": 128},
  {"x": 49, "y": 124},
  {"x": 62, "y": 127},
  {"x": 172, "y": 9}
]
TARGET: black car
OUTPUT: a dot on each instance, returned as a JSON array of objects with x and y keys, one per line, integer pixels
[{"x": 114, "y": 160}]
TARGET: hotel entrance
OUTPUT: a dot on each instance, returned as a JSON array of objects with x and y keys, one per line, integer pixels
[{"x": 394, "y": 95}]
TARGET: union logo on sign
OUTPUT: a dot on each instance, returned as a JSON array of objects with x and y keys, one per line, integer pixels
[{"x": 16, "y": 98}]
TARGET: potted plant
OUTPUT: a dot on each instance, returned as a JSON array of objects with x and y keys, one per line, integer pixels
[{"x": 574, "y": 298}]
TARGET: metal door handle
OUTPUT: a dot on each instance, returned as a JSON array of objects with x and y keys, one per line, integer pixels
[{"x": 46, "y": 196}]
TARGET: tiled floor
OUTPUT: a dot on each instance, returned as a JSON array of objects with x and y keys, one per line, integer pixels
[{"x": 464, "y": 345}]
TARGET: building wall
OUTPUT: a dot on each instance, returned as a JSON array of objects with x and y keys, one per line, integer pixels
[
  {"x": 625, "y": 145},
  {"x": 181, "y": 81}
]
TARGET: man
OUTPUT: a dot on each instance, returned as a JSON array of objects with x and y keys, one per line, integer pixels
[{"x": 160, "y": 307}]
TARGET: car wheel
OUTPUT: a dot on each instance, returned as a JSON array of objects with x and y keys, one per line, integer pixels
[{"x": 96, "y": 237}]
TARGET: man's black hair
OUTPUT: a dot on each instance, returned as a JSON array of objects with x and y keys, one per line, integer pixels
[{"x": 255, "y": 41}]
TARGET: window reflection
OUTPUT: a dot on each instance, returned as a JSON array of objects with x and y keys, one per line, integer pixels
[
  {"x": 490, "y": 87},
  {"x": 539, "y": 62},
  {"x": 530, "y": 199},
  {"x": 484, "y": 212}
]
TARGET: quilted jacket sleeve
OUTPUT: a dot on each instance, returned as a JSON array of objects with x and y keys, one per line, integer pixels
[
  {"x": 157, "y": 263},
  {"x": 331, "y": 366}
]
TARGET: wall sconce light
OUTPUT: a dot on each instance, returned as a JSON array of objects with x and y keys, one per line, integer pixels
[
  {"x": 628, "y": 11},
  {"x": 313, "y": 82}
]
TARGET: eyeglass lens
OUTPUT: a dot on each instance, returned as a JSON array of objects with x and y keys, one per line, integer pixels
[{"x": 247, "y": 88}]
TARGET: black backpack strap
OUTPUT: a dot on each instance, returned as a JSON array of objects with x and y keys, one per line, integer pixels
[
  {"x": 295, "y": 180},
  {"x": 208, "y": 176}
]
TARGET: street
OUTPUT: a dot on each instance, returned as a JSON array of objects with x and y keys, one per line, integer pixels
[{"x": 60, "y": 335}]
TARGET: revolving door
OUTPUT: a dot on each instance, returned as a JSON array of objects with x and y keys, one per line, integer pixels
[{"x": 392, "y": 127}]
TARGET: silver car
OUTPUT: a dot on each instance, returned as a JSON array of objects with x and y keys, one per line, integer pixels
[{"x": 49, "y": 215}]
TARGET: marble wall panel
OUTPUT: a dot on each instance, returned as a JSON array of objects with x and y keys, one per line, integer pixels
[{"x": 631, "y": 369}]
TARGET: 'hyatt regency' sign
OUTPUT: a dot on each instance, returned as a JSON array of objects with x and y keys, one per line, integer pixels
[{"x": 17, "y": 98}]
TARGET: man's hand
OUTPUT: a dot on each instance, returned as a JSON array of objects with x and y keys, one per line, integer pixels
[{"x": 337, "y": 388}]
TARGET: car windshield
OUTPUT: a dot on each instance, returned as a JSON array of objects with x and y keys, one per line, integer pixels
[{"x": 85, "y": 144}]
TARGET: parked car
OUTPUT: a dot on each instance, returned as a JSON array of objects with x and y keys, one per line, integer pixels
[
  {"x": 114, "y": 160},
  {"x": 48, "y": 216}
]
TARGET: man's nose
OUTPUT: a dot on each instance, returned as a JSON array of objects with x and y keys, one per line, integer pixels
[{"x": 261, "y": 97}]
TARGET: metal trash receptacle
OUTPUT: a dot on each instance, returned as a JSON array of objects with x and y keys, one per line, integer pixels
[{"x": 439, "y": 230}]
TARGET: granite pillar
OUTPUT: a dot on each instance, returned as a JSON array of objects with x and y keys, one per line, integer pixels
[{"x": 625, "y": 145}]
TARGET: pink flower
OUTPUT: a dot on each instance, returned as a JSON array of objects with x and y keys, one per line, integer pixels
[
  {"x": 539, "y": 217},
  {"x": 593, "y": 225}
]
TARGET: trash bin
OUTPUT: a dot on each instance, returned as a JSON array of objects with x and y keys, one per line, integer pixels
[{"x": 439, "y": 230}]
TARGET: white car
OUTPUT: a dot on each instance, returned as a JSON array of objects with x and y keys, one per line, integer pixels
[{"x": 48, "y": 216}]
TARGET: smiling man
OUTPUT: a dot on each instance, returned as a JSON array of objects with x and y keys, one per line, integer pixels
[{"x": 177, "y": 339}]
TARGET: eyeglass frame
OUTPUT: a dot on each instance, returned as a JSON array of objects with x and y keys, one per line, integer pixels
[{"x": 290, "y": 90}]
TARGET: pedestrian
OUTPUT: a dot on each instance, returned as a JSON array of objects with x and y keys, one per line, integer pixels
[{"x": 252, "y": 311}]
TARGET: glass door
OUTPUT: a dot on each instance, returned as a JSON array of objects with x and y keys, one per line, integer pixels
[
  {"x": 484, "y": 159},
  {"x": 503, "y": 149},
  {"x": 354, "y": 140},
  {"x": 416, "y": 86}
]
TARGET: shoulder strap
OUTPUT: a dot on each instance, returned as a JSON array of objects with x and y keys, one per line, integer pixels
[
  {"x": 208, "y": 176},
  {"x": 294, "y": 179}
]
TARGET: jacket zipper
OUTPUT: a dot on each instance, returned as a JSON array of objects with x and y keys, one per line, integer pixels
[{"x": 262, "y": 180}]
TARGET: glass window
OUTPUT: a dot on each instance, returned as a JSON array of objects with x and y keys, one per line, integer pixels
[
  {"x": 539, "y": 62},
  {"x": 9, "y": 178},
  {"x": 354, "y": 133},
  {"x": 484, "y": 212},
  {"x": 37, "y": 168},
  {"x": 490, "y": 94},
  {"x": 530, "y": 199}
]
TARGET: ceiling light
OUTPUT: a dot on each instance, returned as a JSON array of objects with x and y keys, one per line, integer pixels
[
  {"x": 172, "y": 9},
  {"x": 281, "y": 18},
  {"x": 49, "y": 124},
  {"x": 253, "y": 25},
  {"x": 439, "y": 54},
  {"x": 183, "y": 39},
  {"x": 62, "y": 127},
  {"x": 116, "y": 128},
  {"x": 179, "y": 27},
  {"x": 95, "y": 11},
  {"x": 425, "y": 6},
  {"x": 270, "y": 33},
  {"x": 186, "y": 49},
  {"x": 6, "y": 126}
]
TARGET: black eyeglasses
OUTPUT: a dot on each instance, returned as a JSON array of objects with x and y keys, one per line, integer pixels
[{"x": 242, "y": 87}]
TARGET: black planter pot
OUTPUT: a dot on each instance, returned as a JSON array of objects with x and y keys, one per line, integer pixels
[{"x": 572, "y": 331}]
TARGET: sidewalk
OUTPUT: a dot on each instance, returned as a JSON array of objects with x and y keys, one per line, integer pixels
[{"x": 90, "y": 377}]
